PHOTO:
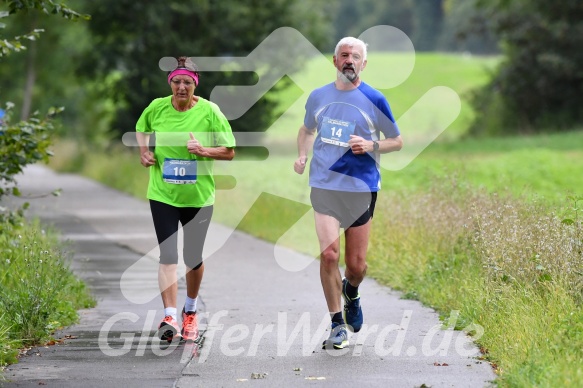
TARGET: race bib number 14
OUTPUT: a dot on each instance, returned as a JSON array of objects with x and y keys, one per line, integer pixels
[
  {"x": 336, "y": 132},
  {"x": 179, "y": 171}
]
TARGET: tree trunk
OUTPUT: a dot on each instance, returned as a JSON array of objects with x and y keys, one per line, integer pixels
[{"x": 30, "y": 76}]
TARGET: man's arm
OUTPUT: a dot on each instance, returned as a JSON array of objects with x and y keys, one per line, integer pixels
[
  {"x": 390, "y": 144},
  {"x": 360, "y": 145},
  {"x": 305, "y": 142}
]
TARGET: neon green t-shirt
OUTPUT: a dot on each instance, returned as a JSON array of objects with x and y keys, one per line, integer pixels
[{"x": 180, "y": 178}]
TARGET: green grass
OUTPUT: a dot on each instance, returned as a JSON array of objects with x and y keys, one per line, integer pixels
[
  {"x": 460, "y": 73},
  {"x": 468, "y": 225},
  {"x": 543, "y": 166},
  {"x": 507, "y": 264},
  {"x": 38, "y": 292}
]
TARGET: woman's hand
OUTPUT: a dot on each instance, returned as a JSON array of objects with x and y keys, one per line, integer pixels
[
  {"x": 147, "y": 159},
  {"x": 194, "y": 146}
]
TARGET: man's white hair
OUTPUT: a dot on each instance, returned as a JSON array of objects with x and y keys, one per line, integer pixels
[{"x": 351, "y": 41}]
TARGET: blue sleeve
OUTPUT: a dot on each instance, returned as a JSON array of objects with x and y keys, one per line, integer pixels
[
  {"x": 310, "y": 117},
  {"x": 387, "y": 123}
]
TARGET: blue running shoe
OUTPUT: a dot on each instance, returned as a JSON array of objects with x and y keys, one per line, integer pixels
[
  {"x": 352, "y": 311},
  {"x": 338, "y": 337}
]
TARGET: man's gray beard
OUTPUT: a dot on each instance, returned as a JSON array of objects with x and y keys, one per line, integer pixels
[{"x": 347, "y": 78}]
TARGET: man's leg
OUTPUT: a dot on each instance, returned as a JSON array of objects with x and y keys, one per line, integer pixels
[
  {"x": 356, "y": 246},
  {"x": 356, "y": 243},
  {"x": 327, "y": 229}
]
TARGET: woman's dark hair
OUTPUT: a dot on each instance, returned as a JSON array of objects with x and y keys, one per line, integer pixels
[{"x": 186, "y": 63}]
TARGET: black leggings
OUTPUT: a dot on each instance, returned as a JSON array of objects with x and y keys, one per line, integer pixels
[{"x": 195, "y": 223}]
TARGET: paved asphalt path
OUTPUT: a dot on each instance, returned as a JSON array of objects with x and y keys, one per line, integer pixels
[{"x": 262, "y": 325}]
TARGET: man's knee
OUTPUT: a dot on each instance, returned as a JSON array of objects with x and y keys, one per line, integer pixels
[
  {"x": 330, "y": 257},
  {"x": 357, "y": 268}
]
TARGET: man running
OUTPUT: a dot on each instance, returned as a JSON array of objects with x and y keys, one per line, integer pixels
[{"x": 343, "y": 123}]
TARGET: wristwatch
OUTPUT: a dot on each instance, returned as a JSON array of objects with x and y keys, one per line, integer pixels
[{"x": 375, "y": 146}]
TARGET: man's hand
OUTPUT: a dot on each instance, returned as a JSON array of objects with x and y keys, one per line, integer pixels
[
  {"x": 359, "y": 145},
  {"x": 300, "y": 164},
  {"x": 147, "y": 159}
]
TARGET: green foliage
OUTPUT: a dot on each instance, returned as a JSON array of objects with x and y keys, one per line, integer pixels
[
  {"x": 38, "y": 292},
  {"x": 448, "y": 25},
  {"x": 122, "y": 42},
  {"x": 23, "y": 143},
  {"x": 507, "y": 264},
  {"x": 8, "y": 346},
  {"x": 539, "y": 84},
  {"x": 574, "y": 220},
  {"x": 352, "y": 18},
  {"x": 27, "y": 141},
  {"x": 39, "y": 77},
  {"x": 467, "y": 28},
  {"x": 111, "y": 72},
  {"x": 46, "y": 6},
  {"x": 428, "y": 19},
  {"x": 15, "y": 44}
]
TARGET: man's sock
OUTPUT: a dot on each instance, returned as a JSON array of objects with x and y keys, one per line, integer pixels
[
  {"x": 351, "y": 291},
  {"x": 170, "y": 311},
  {"x": 337, "y": 318},
  {"x": 190, "y": 304}
]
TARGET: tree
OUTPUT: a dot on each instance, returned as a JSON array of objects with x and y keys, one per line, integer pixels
[
  {"x": 467, "y": 28},
  {"x": 130, "y": 37},
  {"x": 26, "y": 141},
  {"x": 352, "y": 18},
  {"x": 46, "y": 68},
  {"x": 427, "y": 19},
  {"x": 540, "y": 82}
]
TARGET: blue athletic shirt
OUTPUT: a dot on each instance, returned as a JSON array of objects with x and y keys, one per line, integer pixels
[{"x": 336, "y": 114}]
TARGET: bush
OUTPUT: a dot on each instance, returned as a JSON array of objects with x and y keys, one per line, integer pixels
[{"x": 538, "y": 86}]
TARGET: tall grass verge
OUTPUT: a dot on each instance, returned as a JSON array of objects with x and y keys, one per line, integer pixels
[
  {"x": 38, "y": 291},
  {"x": 511, "y": 266}
]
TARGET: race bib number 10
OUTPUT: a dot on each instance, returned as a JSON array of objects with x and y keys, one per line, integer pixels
[
  {"x": 336, "y": 132},
  {"x": 179, "y": 171}
]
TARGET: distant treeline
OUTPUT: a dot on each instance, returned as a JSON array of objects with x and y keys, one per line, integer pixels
[{"x": 444, "y": 25}]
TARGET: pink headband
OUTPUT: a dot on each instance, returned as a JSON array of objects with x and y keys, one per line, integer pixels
[{"x": 183, "y": 72}]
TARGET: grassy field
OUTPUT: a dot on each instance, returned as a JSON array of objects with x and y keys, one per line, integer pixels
[{"x": 474, "y": 226}]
